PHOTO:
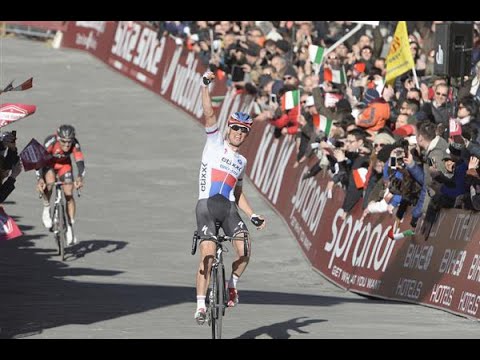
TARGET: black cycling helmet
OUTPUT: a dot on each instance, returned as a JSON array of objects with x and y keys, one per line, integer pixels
[{"x": 66, "y": 132}]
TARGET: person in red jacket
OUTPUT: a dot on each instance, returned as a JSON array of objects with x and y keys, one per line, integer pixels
[{"x": 285, "y": 121}]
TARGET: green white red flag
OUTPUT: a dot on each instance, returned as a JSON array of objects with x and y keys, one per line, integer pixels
[
  {"x": 316, "y": 54},
  {"x": 290, "y": 99}
]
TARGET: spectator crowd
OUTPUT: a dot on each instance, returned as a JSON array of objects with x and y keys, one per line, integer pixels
[{"x": 412, "y": 146}]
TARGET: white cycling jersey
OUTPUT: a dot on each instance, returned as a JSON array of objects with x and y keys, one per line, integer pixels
[{"x": 221, "y": 169}]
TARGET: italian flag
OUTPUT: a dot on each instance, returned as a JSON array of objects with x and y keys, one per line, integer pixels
[
  {"x": 316, "y": 54},
  {"x": 335, "y": 76},
  {"x": 290, "y": 99},
  {"x": 339, "y": 76},
  {"x": 400, "y": 236},
  {"x": 359, "y": 177},
  {"x": 217, "y": 100},
  {"x": 322, "y": 123}
]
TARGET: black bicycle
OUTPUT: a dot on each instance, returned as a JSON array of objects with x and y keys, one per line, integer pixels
[
  {"x": 217, "y": 296},
  {"x": 59, "y": 219}
]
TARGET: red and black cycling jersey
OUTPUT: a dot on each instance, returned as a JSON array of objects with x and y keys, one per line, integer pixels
[{"x": 61, "y": 157}]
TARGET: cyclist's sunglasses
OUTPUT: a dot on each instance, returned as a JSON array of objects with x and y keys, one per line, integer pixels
[
  {"x": 243, "y": 129},
  {"x": 66, "y": 141}
]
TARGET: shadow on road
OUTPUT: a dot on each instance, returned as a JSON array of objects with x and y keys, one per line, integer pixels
[
  {"x": 280, "y": 330},
  {"x": 85, "y": 247},
  {"x": 35, "y": 294}
]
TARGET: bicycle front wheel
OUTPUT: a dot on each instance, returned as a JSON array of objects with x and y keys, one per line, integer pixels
[
  {"x": 218, "y": 288},
  {"x": 62, "y": 231}
]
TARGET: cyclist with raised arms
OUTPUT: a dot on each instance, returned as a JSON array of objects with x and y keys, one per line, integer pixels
[
  {"x": 220, "y": 186},
  {"x": 61, "y": 145}
]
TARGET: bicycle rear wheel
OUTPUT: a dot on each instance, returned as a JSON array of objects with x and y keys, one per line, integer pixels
[{"x": 56, "y": 229}]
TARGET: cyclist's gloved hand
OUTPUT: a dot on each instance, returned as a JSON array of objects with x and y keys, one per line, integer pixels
[
  {"x": 257, "y": 220},
  {"x": 207, "y": 78},
  {"x": 78, "y": 182}
]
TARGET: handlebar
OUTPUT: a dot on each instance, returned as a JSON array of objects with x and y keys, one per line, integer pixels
[
  {"x": 57, "y": 184},
  {"x": 219, "y": 239}
]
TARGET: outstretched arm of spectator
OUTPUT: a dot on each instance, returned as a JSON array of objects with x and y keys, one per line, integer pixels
[
  {"x": 415, "y": 170},
  {"x": 472, "y": 177},
  {"x": 210, "y": 118}
]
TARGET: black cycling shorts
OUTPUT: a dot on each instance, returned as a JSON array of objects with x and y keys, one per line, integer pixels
[{"x": 219, "y": 208}]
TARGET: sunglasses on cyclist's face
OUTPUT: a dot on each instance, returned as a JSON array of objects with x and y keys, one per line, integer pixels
[
  {"x": 66, "y": 141},
  {"x": 243, "y": 129}
]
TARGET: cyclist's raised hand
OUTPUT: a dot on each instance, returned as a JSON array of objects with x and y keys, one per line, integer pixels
[
  {"x": 207, "y": 77},
  {"x": 78, "y": 182},
  {"x": 258, "y": 221},
  {"x": 41, "y": 186}
]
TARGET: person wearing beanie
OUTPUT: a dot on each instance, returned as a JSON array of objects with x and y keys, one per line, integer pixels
[
  {"x": 370, "y": 94},
  {"x": 290, "y": 76},
  {"x": 377, "y": 112},
  {"x": 451, "y": 183}
]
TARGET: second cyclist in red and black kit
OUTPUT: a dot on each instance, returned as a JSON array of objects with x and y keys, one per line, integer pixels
[{"x": 62, "y": 145}]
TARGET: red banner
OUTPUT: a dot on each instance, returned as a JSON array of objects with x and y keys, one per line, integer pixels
[
  {"x": 93, "y": 36},
  {"x": 442, "y": 272},
  {"x": 8, "y": 228},
  {"x": 12, "y": 112}
]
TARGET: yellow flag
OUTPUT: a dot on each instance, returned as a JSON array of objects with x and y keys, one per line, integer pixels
[{"x": 399, "y": 59}]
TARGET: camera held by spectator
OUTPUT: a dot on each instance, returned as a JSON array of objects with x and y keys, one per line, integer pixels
[{"x": 318, "y": 139}]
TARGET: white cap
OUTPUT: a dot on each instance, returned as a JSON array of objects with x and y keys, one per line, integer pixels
[{"x": 412, "y": 140}]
